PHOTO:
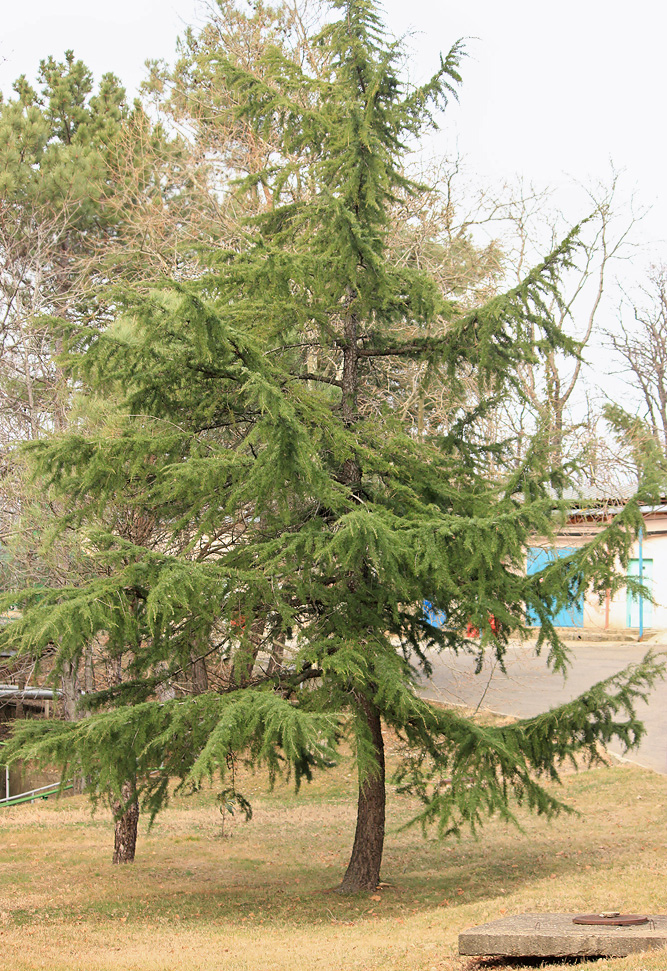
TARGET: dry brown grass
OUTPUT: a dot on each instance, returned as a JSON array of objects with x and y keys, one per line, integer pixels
[{"x": 260, "y": 899}]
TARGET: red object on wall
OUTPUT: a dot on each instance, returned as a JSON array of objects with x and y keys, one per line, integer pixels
[{"x": 472, "y": 631}]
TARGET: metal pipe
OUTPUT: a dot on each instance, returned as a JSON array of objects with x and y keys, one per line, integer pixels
[
  {"x": 51, "y": 790},
  {"x": 13, "y": 690}
]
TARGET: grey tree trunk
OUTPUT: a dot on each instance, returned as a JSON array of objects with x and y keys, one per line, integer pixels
[
  {"x": 125, "y": 833},
  {"x": 277, "y": 654},
  {"x": 126, "y": 819},
  {"x": 89, "y": 669},
  {"x": 70, "y": 683},
  {"x": 363, "y": 871},
  {"x": 198, "y": 673}
]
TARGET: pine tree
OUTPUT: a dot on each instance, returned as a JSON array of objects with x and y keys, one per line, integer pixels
[
  {"x": 54, "y": 139},
  {"x": 67, "y": 206},
  {"x": 297, "y": 525}
]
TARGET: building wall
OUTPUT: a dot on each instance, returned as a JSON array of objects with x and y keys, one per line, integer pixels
[
  {"x": 596, "y": 615},
  {"x": 655, "y": 616}
]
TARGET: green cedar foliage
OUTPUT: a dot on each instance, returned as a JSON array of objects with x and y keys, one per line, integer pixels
[{"x": 289, "y": 502}]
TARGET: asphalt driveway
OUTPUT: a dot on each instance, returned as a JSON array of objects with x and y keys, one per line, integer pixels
[{"x": 529, "y": 688}]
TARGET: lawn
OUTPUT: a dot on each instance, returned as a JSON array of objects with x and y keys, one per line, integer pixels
[{"x": 259, "y": 897}]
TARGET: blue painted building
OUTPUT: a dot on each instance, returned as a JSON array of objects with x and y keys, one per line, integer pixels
[{"x": 627, "y": 610}]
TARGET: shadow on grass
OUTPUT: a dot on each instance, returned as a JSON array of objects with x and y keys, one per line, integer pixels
[
  {"x": 281, "y": 868},
  {"x": 509, "y": 964},
  {"x": 205, "y": 882}
]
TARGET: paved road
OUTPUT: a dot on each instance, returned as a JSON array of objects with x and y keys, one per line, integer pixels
[{"x": 530, "y": 688}]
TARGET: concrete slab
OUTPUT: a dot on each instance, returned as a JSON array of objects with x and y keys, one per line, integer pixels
[{"x": 554, "y": 935}]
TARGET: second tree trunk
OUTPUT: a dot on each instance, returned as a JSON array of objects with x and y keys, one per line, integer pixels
[{"x": 125, "y": 835}]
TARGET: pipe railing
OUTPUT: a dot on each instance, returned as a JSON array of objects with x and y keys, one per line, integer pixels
[{"x": 42, "y": 792}]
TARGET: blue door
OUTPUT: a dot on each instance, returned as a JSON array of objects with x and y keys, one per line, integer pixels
[
  {"x": 632, "y": 600},
  {"x": 436, "y": 618},
  {"x": 569, "y": 616}
]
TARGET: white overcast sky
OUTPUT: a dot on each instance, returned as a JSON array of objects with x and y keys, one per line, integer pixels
[{"x": 550, "y": 92}]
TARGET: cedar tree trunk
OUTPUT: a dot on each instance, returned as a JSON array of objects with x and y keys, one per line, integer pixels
[
  {"x": 70, "y": 694},
  {"x": 277, "y": 654},
  {"x": 198, "y": 673},
  {"x": 125, "y": 835},
  {"x": 363, "y": 871}
]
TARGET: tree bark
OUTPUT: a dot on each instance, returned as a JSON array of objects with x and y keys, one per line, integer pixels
[
  {"x": 126, "y": 809},
  {"x": 277, "y": 654},
  {"x": 70, "y": 694},
  {"x": 363, "y": 871},
  {"x": 19, "y": 698},
  {"x": 350, "y": 375},
  {"x": 89, "y": 669},
  {"x": 125, "y": 835},
  {"x": 198, "y": 673}
]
